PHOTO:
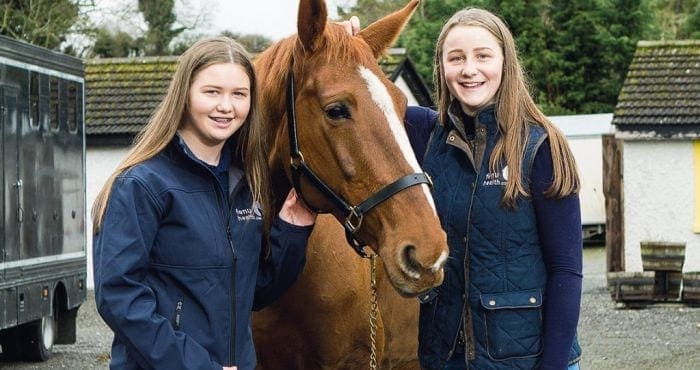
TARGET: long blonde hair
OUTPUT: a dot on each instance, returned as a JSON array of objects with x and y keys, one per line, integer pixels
[
  {"x": 250, "y": 139},
  {"x": 515, "y": 110}
]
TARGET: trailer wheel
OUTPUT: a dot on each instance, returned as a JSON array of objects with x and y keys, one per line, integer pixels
[
  {"x": 40, "y": 336},
  {"x": 11, "y": 346}
]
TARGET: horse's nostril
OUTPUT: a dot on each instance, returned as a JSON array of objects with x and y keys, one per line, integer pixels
[{"x": 410, "y": 265}]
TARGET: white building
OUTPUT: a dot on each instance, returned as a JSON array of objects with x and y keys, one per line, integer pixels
[
  {"x": 657, "y": 119},
  {"x": 653, "y": 180}
]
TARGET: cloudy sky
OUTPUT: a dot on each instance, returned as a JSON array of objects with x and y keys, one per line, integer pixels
[{"x": 272, "y": 18}]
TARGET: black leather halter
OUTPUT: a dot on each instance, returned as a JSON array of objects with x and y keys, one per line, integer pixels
[{"x": 353, "y": 214}]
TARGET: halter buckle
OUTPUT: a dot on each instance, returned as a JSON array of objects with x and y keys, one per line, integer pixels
[
  {"x": 297, "y": 160},
  {"x": 353, "y": 221}
]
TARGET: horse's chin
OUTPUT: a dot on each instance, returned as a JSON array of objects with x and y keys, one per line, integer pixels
[
  {"x": 408, "y": 294},
  {"x": 411, "y": 291},
  {"x": 409, "y": 285}
]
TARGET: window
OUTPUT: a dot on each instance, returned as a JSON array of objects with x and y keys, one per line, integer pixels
[
  {"x": 696, "y": 214},
  {"x": 72, "y": 108},
  {"x": 53, "y": 101},
  {"x": 34, "y": 115},
  {"x": 80, "y": 106}
]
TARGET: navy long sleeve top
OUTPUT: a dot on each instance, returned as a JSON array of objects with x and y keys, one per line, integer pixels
[{"x": 559, "y": 229}]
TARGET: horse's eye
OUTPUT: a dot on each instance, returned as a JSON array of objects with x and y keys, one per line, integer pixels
[{"x": 338, "y": 112}]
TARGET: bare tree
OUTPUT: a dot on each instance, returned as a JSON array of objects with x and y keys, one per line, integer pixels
[{"x": 42, "y": 22}]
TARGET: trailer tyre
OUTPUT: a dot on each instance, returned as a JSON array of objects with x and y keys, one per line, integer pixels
[
  {"x": 40, "y": 336},
  {"x": 31, "y": 341},
  {"x": 11, "y": 346}
]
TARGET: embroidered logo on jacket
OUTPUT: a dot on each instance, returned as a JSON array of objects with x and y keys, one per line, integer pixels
[
  {"x": 247, "y": 214},
  {"x": 497, "y": 178}
]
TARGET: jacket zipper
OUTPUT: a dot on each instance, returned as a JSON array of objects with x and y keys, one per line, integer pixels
[
  {"x": 226, "y": 217},
  {"x": 232, "y": 350},
  {"x": 178, "y": 314},
  {"x": 466, "y": 321},
  {"x": 467, "y": 324},
  {"x": 232, "y": 308}
]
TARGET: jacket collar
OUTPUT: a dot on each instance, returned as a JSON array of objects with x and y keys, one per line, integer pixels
[
  {"x": 179, "y": 146},
  {"x": 485, "y": 116}
]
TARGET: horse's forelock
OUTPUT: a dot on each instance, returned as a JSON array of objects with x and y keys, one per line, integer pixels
[
  {"x": 339, "y": 45},
  {"x": 336, "y": 46}
]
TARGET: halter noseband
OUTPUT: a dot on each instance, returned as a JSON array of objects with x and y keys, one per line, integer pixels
[{"x": 353, "y": 214}]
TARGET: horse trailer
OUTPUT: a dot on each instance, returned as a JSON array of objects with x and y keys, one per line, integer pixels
[
  {"x": 584, "y": 134},
  {"x": 42, "y": 254}
]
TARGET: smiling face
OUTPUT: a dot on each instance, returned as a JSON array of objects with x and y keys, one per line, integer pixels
[
  {"x": 472, "y": 61},
  {"x": 218, "y": 105}
]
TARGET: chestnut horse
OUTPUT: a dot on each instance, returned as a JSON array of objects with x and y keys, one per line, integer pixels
[{"x": 340, "y": 140}]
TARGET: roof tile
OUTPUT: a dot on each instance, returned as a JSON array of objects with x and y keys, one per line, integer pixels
[
  {"x": 662, "y": 87},
  {"x": 122, "y": 93}
]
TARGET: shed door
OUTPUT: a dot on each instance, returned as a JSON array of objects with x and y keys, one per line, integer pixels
[{"x": 12, "y": 211}]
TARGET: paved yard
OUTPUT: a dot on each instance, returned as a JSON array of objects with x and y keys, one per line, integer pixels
[{"x": 661, "y": 336}]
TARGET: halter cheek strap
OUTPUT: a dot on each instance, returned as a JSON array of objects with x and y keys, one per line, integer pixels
[{"x": 354, "y": 215}]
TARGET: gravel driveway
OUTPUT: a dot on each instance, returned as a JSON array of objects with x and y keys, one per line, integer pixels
[{"x": 662, "y": 336}]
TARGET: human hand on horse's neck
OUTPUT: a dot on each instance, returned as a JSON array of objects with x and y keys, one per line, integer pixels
[{"x": 295, "y": 212}]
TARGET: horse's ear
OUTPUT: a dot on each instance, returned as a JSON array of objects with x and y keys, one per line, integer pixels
[
  {"x": 381, "y": 34},
  {"x": 311, "y": 22}
]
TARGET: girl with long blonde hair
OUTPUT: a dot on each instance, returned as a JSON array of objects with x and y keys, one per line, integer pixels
[
  {"x": 506, "y": 191},
  {"x": 180, "y": 224}
]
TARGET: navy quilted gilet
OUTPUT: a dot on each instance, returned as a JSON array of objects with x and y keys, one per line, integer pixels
[{"x": 500, "y": 310}]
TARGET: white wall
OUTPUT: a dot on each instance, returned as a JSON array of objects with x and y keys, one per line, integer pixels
[
  {"x": 658, "y": 198},
  {"x": 584, "y": 135},
  {"x": 588, "y": 152},
  {"x": 100, "y": 163},
  {"x": 403, "y": 86}
]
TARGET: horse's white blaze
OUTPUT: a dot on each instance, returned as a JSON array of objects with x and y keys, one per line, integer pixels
[{"x": 380, "y": 96}]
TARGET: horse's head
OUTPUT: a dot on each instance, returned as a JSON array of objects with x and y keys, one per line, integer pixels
[{"x": 350, "y": 134}]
